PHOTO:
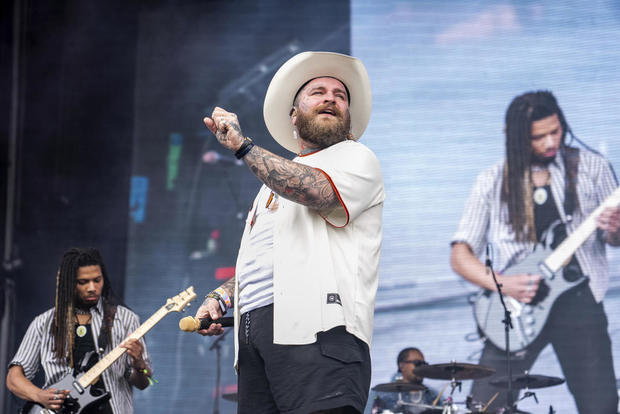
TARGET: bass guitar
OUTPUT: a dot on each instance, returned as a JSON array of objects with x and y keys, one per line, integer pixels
[
  {"x": 529, "y": 319},
  {"x": 80, "y": 396}
]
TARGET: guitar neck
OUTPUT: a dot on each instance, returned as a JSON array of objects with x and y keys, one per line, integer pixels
[
  {"x": 569, "y": 246},
  {"x": 92, "y": 374}
]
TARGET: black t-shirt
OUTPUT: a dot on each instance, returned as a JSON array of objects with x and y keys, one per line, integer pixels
[
  {"x": 84, "y": 358},
  {"x": 546, "y": 217}
]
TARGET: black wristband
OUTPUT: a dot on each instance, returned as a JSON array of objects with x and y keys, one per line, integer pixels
[{"x": 244, "y": 148}]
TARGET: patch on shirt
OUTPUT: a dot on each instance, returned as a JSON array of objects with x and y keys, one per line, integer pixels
[{"x": 334, "y": 298}]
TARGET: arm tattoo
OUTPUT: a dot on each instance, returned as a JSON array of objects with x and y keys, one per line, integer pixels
[
  {"x": 229, "y": 287},
  {"x": 294, "y": 181}
]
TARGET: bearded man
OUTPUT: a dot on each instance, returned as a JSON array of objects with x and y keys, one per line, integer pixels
[
  {"x": 545, "y": 188},
  {"x": 85, "y": 324},
  {"x": 306, "y": 273}
]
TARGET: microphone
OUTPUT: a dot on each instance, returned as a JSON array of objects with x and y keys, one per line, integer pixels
[{"x": 191, "y": 324}]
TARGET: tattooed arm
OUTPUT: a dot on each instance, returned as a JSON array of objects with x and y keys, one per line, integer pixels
[
  {"x": 229, "y": 287},
  {"x": 294, "y": 181},
  {"x": 210, "y": 308}
]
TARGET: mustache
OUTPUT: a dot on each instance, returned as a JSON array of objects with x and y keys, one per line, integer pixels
[{"x": 330, "y": 107}]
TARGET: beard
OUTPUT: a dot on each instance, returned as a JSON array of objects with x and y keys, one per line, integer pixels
[
  {"x": 542, "y": 161},
  {"x": 323, "y": 133}
]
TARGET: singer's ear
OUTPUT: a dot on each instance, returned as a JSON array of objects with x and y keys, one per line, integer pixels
[{"x": 293, "y": 112}]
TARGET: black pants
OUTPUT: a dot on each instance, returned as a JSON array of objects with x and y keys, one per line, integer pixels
[
  {"x": 298, "y": 379},
  {"x": 577, "y": 330}
]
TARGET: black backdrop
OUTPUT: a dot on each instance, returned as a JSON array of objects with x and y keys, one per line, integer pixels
[{"x": 75, "y": 125}]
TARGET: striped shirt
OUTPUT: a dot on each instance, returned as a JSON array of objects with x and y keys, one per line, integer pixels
[
  {"x": 36, "y": 349},
  {"x": 485, "y": 217}
]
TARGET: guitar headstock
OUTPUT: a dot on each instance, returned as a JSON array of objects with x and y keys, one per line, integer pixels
[{"x": 180, "y": 301}]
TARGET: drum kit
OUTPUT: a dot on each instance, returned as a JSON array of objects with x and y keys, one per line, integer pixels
[{"x": 457, "y": 372}]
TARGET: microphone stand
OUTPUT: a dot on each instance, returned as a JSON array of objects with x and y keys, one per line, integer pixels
[
  {"x": 217, "y": 345},
  {"x": 507, "y": 327}
]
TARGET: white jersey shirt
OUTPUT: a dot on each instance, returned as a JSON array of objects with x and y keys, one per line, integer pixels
[{"x": 325, "y": 264}]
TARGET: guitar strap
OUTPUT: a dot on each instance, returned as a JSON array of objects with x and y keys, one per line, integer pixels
[
  {"x": 571, "y": 167},
  {"x": 105, "y": 335},
  {"x": 572, "y": 271}
]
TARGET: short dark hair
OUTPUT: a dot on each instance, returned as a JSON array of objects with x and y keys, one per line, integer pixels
[{"x": 402, "y": 355}]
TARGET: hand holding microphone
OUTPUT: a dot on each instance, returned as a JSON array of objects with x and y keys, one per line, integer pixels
[
  {"x": 210, "y": 311},
  {"x": 191, "y": 324}
]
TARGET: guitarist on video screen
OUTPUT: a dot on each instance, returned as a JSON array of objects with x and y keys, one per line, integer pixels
[
  {"x": 70, "y": 338},
  {"x": 540, "y": 193}
]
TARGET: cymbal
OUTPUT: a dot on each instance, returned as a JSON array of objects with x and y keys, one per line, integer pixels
[
  {"x": 398, "y": 387},
  {"x": 528, "y": 381},
  {"x": 454, "y": 370},
  {"x": 231, "y": 396}
]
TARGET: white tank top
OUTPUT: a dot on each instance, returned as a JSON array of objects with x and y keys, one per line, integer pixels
[{"x": 255, "y": 274}]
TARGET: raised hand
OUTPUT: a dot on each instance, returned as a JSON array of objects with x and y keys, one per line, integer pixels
[{"x": 225, "y": 126}]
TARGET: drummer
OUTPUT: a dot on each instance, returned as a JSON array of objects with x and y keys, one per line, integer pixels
[{"x": 404, "y": 402}]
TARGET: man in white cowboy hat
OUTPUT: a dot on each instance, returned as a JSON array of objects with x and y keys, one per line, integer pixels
[{"x": 306, "y": 274}]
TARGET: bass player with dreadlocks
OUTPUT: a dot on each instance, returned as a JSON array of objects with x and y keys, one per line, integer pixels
[
  {"x": 543, "y": 181},
  {"x": 85, "y": 324}
]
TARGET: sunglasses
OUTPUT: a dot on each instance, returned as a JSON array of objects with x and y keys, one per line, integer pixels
[{"x": 416, "y": 362}]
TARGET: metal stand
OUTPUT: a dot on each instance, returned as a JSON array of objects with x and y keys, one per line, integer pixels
[
  {"x": 217, "y": 345},
  {"x": 448, "y": 405},
  {"x": 507, "y": 321}
]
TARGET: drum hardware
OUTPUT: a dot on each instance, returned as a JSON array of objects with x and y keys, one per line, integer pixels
[
  {"x": 398, "y": 387},
  {"x": 455, "y": 372},
  {"x": 528, "y": 381},
  {"x": 478, "y": 407},
  {"x": 401, "y": 387}
]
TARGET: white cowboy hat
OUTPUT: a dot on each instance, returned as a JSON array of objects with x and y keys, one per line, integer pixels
[{"x": 301, "y": 68}]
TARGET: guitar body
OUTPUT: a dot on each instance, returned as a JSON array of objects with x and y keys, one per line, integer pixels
[
  {"x": 75, "y": 403},
  {"x": 528, "y": 319}
]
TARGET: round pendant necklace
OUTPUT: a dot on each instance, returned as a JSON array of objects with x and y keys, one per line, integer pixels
[
  {"x": 540, "y": 195},
  {"x": 81, "y": 330}
]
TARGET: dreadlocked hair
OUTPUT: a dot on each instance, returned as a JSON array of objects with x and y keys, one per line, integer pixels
[
  {"x": 63, "y": 325},
  {"x": 516, "y": 185}
]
